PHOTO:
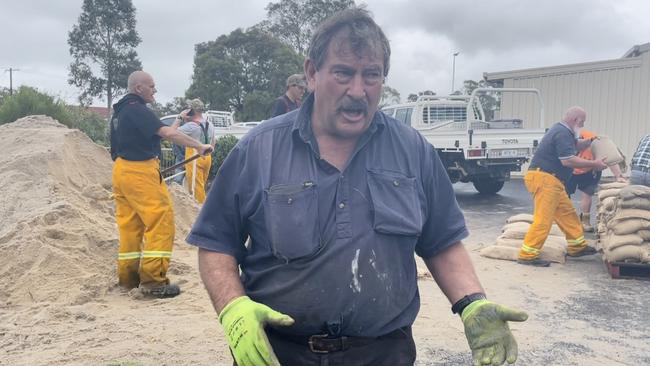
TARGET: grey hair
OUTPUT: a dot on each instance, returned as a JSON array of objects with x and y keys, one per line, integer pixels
[
  {"x": 357, "y": 27},
  {"x": 134, "y": 79}
]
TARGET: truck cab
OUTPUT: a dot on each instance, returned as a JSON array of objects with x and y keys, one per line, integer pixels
[{"x": 472, "y": 148}]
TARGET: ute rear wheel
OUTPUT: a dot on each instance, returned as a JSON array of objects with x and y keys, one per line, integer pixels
[{"x": 488, "y": 185}]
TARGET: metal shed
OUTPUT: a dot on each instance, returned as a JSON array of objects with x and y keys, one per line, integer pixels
[{"x": 615, "y": 93}]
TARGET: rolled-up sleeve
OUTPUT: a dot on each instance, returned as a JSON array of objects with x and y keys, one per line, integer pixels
[{"x": 445, "y": 223}]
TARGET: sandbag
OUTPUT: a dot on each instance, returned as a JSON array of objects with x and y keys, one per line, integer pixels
[
  {"x": 605, "y": 148},
  {"x": 552, "y": 241},
  {"x": 511, "y": 253},
  {"x": 513, "y": 234},
  {"x": 639, "y": 203},
  {"x": 609, "y": 203},
  {"x": 612, "y": 192},
  {"x": 524, "y": 226},
  {"x": 631, "y": 213},
  {"x": 634, "y": 191},
  {"x": 645, "y": 235},
  {"x": 623, "y": 227},
  {"x": 617, "y": 185},
  {"x": 524, "y": 217},
  {"x": 615, "y": 241},
  {"x": 629, "y": 253}
]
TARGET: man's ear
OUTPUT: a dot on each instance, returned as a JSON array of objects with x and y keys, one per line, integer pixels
[{"x": 310, "y": 73}]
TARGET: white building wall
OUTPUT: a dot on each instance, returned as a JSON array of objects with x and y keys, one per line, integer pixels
[{"x": 615, "y": 94}]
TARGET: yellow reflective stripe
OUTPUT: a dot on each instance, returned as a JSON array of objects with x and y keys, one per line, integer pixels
[
  {"x": 156, "y": 254},
  {"x": 128, "y": 255},
  {"x": 576, "y": 242},
  {"x": 529, "y": 250}
]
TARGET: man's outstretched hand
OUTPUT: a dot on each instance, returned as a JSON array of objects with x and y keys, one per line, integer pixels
[{"x": 488, "y": 334}]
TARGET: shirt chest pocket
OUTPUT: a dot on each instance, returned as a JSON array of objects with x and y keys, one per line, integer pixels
[
  {"x": 291, "y": 214},
  {"x": 396, "y": 203}
]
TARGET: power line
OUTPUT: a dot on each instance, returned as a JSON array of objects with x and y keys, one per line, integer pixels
[{"x": 11, "y": 79}]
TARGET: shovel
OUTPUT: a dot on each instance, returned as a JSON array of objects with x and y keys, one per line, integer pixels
[{"x": 173, "y": 167}]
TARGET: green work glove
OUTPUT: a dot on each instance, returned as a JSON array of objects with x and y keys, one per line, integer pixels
[
  {"x": 488, "y": 334},
  {"x": 243, "y": 321}
]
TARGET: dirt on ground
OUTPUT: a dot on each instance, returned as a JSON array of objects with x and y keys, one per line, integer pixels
[{"x": 59, "y": 304}]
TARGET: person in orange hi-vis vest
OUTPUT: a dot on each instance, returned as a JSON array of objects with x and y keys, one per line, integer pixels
[{"x": 586, "y": 181}]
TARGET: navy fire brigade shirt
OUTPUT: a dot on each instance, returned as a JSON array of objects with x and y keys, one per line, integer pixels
[
  {"x": 133, "y": 130},
  {"x": 558, "y": 143},
  {"x": 334, "y": 250}
]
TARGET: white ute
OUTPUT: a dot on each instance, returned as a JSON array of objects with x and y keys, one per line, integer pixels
[{"x": 471, "y": 148}]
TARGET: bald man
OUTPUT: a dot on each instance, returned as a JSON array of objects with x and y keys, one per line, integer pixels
[
  {"x": 143, "y": 208},
  {"x": 547, "y": 176}
]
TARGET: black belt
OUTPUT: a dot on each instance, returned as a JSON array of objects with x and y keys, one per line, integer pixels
[
  {"x": 323, "y": 343},
  {"x": 643, "y": 169}
]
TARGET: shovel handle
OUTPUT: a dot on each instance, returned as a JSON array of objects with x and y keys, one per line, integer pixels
[{"x": 173, "y": 167}]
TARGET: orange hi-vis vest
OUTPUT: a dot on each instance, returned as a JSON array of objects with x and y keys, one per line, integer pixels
[{"x": 586, "y": 153}]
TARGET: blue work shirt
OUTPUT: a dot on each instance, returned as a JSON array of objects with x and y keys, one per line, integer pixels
[
  {"x": 559, "y": 143},
  {"x": 332, "y": 249}
]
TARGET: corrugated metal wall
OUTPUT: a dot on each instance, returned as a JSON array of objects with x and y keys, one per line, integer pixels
[{"x": 615, "y": 94}]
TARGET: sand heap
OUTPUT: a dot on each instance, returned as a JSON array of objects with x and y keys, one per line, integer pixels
[{"x": 58, "y": 238}]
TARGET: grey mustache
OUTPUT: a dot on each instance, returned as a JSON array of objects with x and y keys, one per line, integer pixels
[{"x": 355, "y": 104}]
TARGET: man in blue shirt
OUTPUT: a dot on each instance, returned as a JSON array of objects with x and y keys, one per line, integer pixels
[
  {"x": 336, "y": 197},
  {"x": 641, "y": 163},
  {"x": 549, "y": 171}
]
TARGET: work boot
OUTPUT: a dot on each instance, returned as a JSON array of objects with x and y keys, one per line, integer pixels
[
  {"x": 586, "y": 251},
  {"x": 161, "y": 291},
  {"x": 537, "y": 262},
  {"x": 585, "y": 218}
]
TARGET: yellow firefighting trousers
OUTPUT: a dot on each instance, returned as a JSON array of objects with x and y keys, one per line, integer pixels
[
  {"x": 203, "y": 165},
  {"x": 143, "y": 208},
  {"x": 551, "y": 203}
]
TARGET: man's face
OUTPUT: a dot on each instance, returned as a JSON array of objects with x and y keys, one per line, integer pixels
[
  {"x": 146, "y": 89},
  {"x": 297, "y": 91},
  {"x": 347, "y": 89}
]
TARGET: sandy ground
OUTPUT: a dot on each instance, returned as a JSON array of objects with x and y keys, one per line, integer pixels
[{"x": 59, "y": 304}]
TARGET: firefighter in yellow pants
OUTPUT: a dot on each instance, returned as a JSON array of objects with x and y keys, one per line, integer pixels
[
  {"x": 197, "y": 185},
  {"x": 552, "y": 166},
  {"x": 199, "y": 129},
  {"x": 551, "y": 204},
  {"x": 143, "y": 208}
]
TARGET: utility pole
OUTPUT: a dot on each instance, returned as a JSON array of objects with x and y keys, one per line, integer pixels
[
  {"x": 11, "y": 79},
  {"x": 453, "y": 72}
]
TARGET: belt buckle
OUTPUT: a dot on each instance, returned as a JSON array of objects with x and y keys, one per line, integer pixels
[{"x": 311, "y": 343}]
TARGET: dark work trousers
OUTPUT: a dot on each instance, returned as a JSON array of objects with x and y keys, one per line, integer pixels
[{"x": 396, "y": 349}]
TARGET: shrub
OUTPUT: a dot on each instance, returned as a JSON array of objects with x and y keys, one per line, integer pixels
[
  {"x": 29, "y": 101},
  {"x": 222, "y": 148},
  {"x": 92, "y": 124}
]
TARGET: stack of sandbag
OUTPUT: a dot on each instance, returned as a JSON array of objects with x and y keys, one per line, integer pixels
[
  {"x": 628, "y": 229},
  {"x": 507, "y": 245},
  {"x": 606, "y": 208}
]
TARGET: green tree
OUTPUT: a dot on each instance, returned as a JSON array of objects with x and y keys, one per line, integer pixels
[
  {"x": 102, "y": 46},
  {"x": 389, "y": 96},
  {"x": 243, "y": 72},
  {"x": 174, "y": 107},
  {"x": 412, "y": 97},
  {"x": 293, "y": 21}
]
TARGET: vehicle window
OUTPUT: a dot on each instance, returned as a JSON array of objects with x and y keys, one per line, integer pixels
[
  {"x": 167, "y": 121},
  {"x": 404, "y": 115},
  {"x": 388, "y": 111},
  {"x": 435, "y": 114}
]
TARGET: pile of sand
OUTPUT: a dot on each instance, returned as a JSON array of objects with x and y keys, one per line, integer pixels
[{"x": 58, "y": 238}]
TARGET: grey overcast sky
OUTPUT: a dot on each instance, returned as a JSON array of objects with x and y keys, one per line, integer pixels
[{"x": 496, "y": 35}]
